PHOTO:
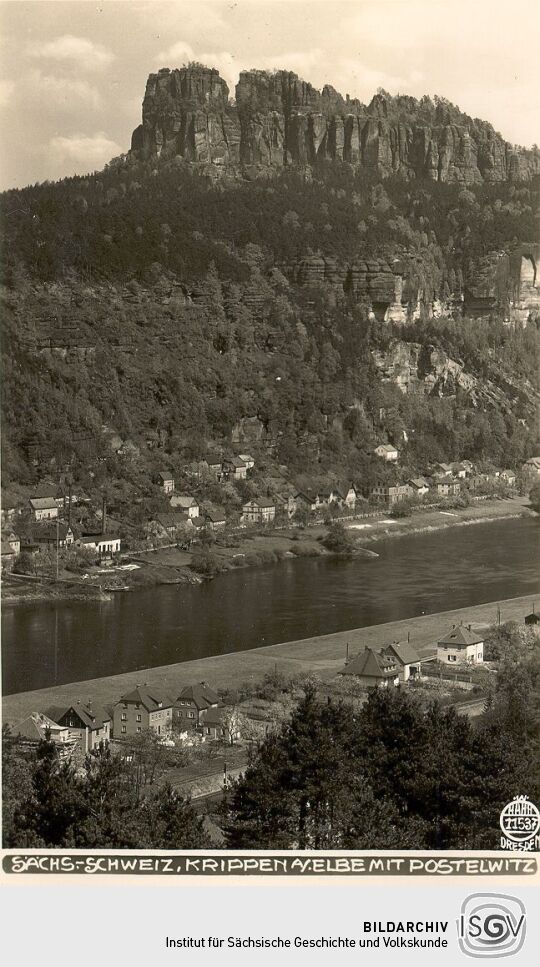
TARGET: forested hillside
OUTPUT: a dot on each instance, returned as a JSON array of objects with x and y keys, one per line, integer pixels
[{"x": 169, "y": 307}]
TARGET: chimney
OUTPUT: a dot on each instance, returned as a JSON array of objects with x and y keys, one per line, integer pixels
[{"x": 103, "y": 513}]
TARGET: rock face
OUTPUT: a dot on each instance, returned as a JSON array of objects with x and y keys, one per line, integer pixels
[{"x": 279, "y": 119}]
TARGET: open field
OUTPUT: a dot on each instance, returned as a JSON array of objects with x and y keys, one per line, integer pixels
[{"x": 323, "y": 655}]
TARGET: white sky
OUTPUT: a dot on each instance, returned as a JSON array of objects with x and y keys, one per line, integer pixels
[{"x": 72, "y": 74}]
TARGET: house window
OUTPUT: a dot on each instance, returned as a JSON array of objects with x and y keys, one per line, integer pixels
[
  {"x": 124, "y": 717},
  {"x": 191, "y": 715},
  {"x": 124, "y": 728},
  {"x": 139, "y": 718},
  {"x": 208, "y": 731},
  {"x": 451, "y": 657},
  {"x": 139, "y": 728}
]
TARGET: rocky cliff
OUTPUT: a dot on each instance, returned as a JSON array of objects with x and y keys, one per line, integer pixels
[{"x": 279, "y": 119}]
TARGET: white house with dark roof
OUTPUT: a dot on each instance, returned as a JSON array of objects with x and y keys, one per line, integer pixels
[
  {"x": 387, "y": 452},
  {"x": 36, "y": 727},
  {"x": 43, "y": 508},
  {"x": 186, "y": 503},
  {"x": 406, "y": 658},
  {"x": 461, "y": 645}
]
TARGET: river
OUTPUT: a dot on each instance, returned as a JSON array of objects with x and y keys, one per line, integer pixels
[{"x": 51, "y": 644}]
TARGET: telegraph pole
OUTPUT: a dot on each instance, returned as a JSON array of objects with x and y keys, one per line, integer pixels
[{"x": 57, "y": 544}]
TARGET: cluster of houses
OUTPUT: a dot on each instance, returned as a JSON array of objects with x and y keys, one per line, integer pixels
[
  {"x": 45, "y": 522},
  {"x": 84, "y": 727}
]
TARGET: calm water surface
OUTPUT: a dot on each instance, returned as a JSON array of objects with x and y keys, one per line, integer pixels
[{"x": 48, "y": 644}]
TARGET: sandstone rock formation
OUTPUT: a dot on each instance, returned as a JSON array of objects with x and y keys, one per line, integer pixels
[{"x": 279, "y": 119}]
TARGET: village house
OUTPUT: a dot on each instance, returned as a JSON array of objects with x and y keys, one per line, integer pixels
[
  {"x": 387, "y": 452},
  {"x": 306, "y": 500},
  {"x": 285, "y": 503},
  {"x": 36, "y": 727},
  {"x": 531, "y": 467},
  {"x": 448, "y": 487},
  {"x": 166, "y": 482},
  {"x": 43, "y": 508},
  {"x": 532, "y": 618},
  {"x": 14, "y": 541},
  {"x": 442, "y": 469},
  {"x": 350, "y": 496},
  {"x": 168, "y": 526},
  {"x": 234, "y": 467},
  {"x": 390, "y": 495},
  {"x": 459, "y": 470},
  {"x": 248, "y": 460},
  {"x": 8, "y": 556},
  {"x": 509, "y": 477},
  {"x": 406, "y": 658},
  {"x": 192, "y": 701},
  {"x": 373, "y": 669},
  {"x": 185, "y": 503},
  {"x": 258, "y": 511},
  {"x": 419, "y": 486},
  {"x": 105, "y": 546},
  {"x": 461, "y": 646},
  {"x": 212, "y": 726},
  {"x": 87, "y": 724},
  {"x": 143, "y": 708},
  {"x": 214, "y": 518},
  {"x": 51, "y": 535},
  {"x": 214, "y": 464}
]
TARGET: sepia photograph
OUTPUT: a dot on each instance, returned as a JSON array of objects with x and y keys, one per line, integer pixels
[{"x": 270, "y": 467}]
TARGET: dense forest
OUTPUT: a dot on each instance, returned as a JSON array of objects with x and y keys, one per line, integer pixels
[{"x": 155, "y": 303}]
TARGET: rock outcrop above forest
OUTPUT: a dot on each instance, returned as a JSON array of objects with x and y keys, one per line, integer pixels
[{"x": 278, "y": 119}]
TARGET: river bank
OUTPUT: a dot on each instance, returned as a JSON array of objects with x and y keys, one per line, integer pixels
[
  {"x": 171, "y": 565},
  {"x": 323, "y": 655}
]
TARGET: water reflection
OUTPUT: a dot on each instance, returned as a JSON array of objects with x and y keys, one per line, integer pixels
[{"x": 47, "y": 644}]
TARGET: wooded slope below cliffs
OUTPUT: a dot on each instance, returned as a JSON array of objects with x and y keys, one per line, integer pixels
[{"x": 324, "y": 307}]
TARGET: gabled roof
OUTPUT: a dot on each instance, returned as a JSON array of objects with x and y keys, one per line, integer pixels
[
  {"x": 460, "y": 636},
  {"x": 184, "y": 500},
  {"x": 387, "y": 447},
  {"x": 165, "y": 476},
  {"x": 235, "y": 462},
  {"x": 215, "y": 514},
  {"x": 214, "y": 716},
  {"x": 419, "y": 482},
  {"x": 150, "y": 698},
  {"x": 214, "y": 459},
  {"x": 46, "y": 489},
  {"x": 91, "y": 716},
  {"x": 371, "y": 664},
  {"x": 534, "y": 461},
  {"x": 201, "y": 695},
  {"x": 171, "y": 519},
  {"x": 403, "y": 652},
  {"x": 36, "y": 725},
  {"x": 43, "y": 503},
  {"x": 7, "y": 549}
]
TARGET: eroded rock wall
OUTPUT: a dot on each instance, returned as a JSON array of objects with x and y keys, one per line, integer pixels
[{"x": 279, "y": 119}]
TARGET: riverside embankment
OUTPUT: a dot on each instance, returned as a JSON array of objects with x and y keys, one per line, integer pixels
[{"x": 323, "y": 655}]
